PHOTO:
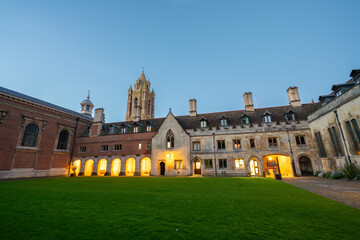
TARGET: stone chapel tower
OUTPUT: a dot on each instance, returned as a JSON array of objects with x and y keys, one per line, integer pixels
[{"x": 141, "y": 101}]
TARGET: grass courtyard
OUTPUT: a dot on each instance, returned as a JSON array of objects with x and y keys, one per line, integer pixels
[{"x": 169, "y": 208}]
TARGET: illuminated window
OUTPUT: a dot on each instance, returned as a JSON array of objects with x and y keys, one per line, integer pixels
[
  {"x": 139, "y": 146},
  {"x": 145, "y": 166},
  {"x": 130, "y": 167},
  {"x": 252, "y": 143},
  {"x": 136, "y": 129},
  {"x": 149, "y": 128},
  {"x": 77, "y": 166},
  {"x": 117, "y": 147},
  {"x": 208, "y": 163},
  {"x": 203, "y": 123},
  {"x": 254, "y": 167},
  {"x": 170, "y": 139},
  {"x": 272, "y": 142},
  {"x": 239, "y": 164},
  {"x": 82, "y": 149},
  {"x": 178, "y": 164},
  {"x": 300, "y": 140},
  {"x": 196, "y": 146},
  {"x": 30, "y": 135},
  {"x": 221, "y": 144},
  {"x": 63, "y": 140},
  {"x": 102, "y": 167},
  {"x": 104, "y": 148},
  {"x": 237, "y": 143},
  {"x": 222, "y": 163},
  {"x": 115, "y": 167}
]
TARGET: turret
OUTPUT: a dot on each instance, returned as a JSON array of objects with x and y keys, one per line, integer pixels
[{"x": 87, "y": 106}]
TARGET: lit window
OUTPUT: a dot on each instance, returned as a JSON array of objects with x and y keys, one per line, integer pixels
[
  {"x": 300, "y": 140},
  {"x": 30, "y": 135},
  {"x": 139, "y": 146},
  {"x": 149, "y": 128},
  {"x": 170, "y": 139},
  {"x": 203, "y": 123},
  {"x": 136, "y": 129},
  {"x": 178, "y": 164},
  {"x": 104, "y": 148},
  {"x": 272, "y": 142},
  {"x": 222, "y": 163},
  {"x": 196, "y": 146},
  {"x": 208, "y": 163},
  {"x": 239, "y": 164},
  {"x": 221, "y": 144},
  {"x": 237, "y": 143}
]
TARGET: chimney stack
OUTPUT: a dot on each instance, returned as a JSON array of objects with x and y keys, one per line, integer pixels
[
  {"x": 137, "y": 114},
  {"x": 293, "y": 95},
  {"x": 99, "y": 120},
  {"x": 193, "y": 110},
  {"x": 99, "y": 115},
  {"x": 249, "y": 106}
]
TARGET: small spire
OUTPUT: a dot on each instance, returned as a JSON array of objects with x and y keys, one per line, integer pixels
[
  {"x": 88, "y": 97},
  {"x": 169, "y": 110},
  {"x": 142, "y": 77}
]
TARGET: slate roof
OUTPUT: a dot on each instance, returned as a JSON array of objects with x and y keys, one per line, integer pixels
[
  {"x": 142, "y": 124},
  {"x": 354, "y": 72},
  {"x": 43, "y": 103}
]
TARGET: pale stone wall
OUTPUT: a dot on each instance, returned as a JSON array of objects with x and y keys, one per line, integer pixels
[
  {"x": 348, "y": 107},
  {"x": 181, "y": 150}
]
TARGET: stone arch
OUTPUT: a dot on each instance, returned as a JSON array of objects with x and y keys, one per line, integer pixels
[
  {"x": 255, "y": 168},
  {"x": 145, "y": 166},
  {"x": 89, "y": 166},
  {"x": 102, "y": 165},
  {"x": 306, "y": 165},
  {"x": 278, "y": 163},
  {"x": 115, "y": 167},
  {"x": 77, "y": 164},
  {"x": 197, "y": 164},
  {"x": 130, "y": 167}
]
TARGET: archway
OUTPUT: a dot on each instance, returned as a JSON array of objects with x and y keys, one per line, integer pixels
[
  {"x": 76, "y": 164},
  {"x": 254, "y": 167},
  {"x": 145, "y": 166},
  {"x": 102, "y": 167},
  {"x": 305, "y": 166},
  {"x": 115, "y": 167},
  {"x": 278, "y": 164},
  {"x": 89, "y": 165},
  {"x": 162, "y": 168},
  {"x": 196, "y": 166},
  {"x": 130, "y": 167}
]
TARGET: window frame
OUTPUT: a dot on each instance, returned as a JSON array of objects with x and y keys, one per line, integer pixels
[
  {"x": 235, "y": 143},
  {"x": 196, "y": 146},
  {"x": 221, "y": 145},
  {"x": 223, "y": 163},
  {"x": 241, "y": 162}
]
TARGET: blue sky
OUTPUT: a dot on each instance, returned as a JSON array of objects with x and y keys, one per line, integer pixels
[{"x": 213, "y": 51}]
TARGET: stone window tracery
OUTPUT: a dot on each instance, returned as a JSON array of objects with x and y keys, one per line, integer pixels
[{"x": 170, "y": 140}]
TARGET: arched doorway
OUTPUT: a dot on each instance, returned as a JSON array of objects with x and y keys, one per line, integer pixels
[
  {"x": 89, "y": 165},
  {"x": 130, "y": 167},
  {"x": 162, "y": 168},
  {"x": 305, "y": 166},
  {"x": 196, "y": 167},
  {"x": 76, "y": 164},
  {"x": 115, "y": 167},
  {"x": 102, "y": 167},
  {"x": 278, "y": 164},
  {"x": 145, "y": 166},
  {"x": 254, "y": 167}
]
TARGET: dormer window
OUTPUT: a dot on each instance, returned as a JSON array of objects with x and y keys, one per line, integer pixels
[
  {"x": 245, "y": 120},
  {"x": 338, "y": 93},
  {"x": 267, "y": 118},
  {"x": 290, "y": 116},
  {"x": 203, "y": 123},
  {"x": 223, "y": 121},
  {"x": 123, "y": 129},
  {"x": 149, "y": 128},
  {"x": 136, "y": 129},
  {"x": 170, "y": 140}
]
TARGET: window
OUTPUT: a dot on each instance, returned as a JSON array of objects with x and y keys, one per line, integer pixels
[
  {"x": 136, "y": 129},
  {"x": 320, "y": 144},
  {"x": 149, "y": 128},
  {"x": 139, "y": 146},
  {"x": 117, "y": 147},
  {"x": 252, "y": 143},
  {"x": 237, "y": 143},
  {"x": 352, "y": 135},
  {"x": 290, "y": 116},
  {"x": 30, "y": 135},
  {"x": 135, "y": 102},
  {"x": 82, "y": 149},
  {"x": 196, "y": 146},
  {"x": 245, "y": 120},
  {"x": 148, "y": 146},
  {"x": 338, "y": 93},
  {"x": 267, "y": 118},
  {"x": 170, "y": 139},
  {"x": 300, "y": 140},
  {"x": 272, "y": 142},
  {"x": 104, "y": 148},
  {"x": 221, "y": 144},
  {"x": 63, "y": 140},
  {"x": 223, "y": 122},
  {"x": 203, "y": 123},
  {"x": 335, "y": 141},
  {"x": 239, "y": 164},
  {"x": 123, "y": 130},
  {"x": 208, "y": 163},
  {"x": 356, "y": 128},
  {"x": 149, "y": 108},
  {"x": 178, "y": 164},
  {"x": 222, "y": 163},
  {"x": 87, "y": 107}
]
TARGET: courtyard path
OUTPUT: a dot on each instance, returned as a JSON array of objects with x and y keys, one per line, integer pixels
[{"x": 347, "y": 192}]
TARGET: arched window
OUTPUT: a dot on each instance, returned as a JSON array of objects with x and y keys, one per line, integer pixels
[
  {"x": 170, "y": 139},
  {"x": 30, "y": 135},
  {"x": 63, "y": 140},
  {"x": 135, "y": 102},
  {"x": 149, "y": 107}
]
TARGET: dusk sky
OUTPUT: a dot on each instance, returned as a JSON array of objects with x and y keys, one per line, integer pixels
[{"x": 212, "y": 51}]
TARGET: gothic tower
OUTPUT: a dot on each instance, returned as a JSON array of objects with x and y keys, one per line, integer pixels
[{"x": 141, "y": 101}]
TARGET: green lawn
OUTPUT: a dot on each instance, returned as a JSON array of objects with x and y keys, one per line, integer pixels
[{"x": 170, "y": 208}]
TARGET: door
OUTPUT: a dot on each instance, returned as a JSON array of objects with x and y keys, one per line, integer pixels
[
  {"x": 162, "y": 168},
  {"x": 254, "y": 167},
  {"x": 305, "y": 166},
  {"x": 197, "y": 167}
]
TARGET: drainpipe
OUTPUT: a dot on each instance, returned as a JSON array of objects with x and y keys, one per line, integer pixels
[
  {"x": 72, "y": 147},
  {"x": 214, "y": 154},
  {"x": 291, "y": 154},
  {"x": 342, "y": 136}
]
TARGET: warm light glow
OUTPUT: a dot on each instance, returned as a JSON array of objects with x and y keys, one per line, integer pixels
[
  {"x": 145, "y": 166},
  {"x": 130, "y": 167},
  {"x": 197, "y": 165},
  {"x": 239, "y": 164},
  {"x": 254, "y": 167},
  {"x": 270, "y": 158},
  {"x": 88, "y": 167},
  {"x": 76, "y": 164},
  {"x": 116, "y": 167},
  {"x": 168, "y": 155},
  {"x": 102, "y": 167},
  {"x": 279, "y": 161}
]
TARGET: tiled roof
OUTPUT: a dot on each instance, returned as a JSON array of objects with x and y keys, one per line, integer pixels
[
  {"x": 43, "y": 103},
  {"x": 142, "y": 124}
]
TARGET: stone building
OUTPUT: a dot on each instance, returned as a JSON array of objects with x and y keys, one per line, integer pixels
[
  {"x": 36, "y": 137},
  {"x": 335, "y": 125}
]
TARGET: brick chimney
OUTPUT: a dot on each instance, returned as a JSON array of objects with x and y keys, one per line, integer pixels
[{"x": 99, "y": 121}]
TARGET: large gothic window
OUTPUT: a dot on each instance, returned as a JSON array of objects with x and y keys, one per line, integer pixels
[
  {"x": 170, "y": 139},
  {"x": 135, "y": 102},
  {"x": 63, "y": 140},
  {"x": 30, "y": 135}
]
